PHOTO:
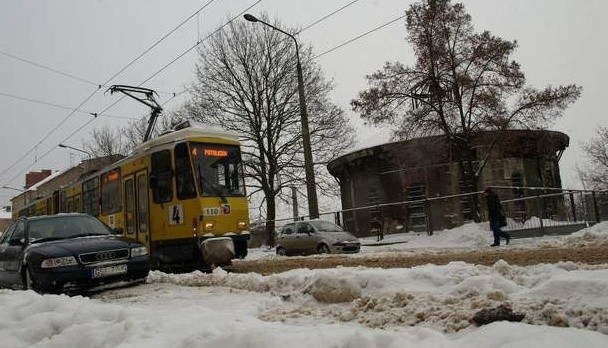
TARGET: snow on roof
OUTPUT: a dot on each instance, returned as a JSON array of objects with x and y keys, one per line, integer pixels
[{"x": 5, "y": 215}]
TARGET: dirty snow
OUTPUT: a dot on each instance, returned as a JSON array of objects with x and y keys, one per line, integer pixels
[{"x": 565, "y": 304}]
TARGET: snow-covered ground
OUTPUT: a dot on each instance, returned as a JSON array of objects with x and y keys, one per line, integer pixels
[{"x": 565, "y": 304}]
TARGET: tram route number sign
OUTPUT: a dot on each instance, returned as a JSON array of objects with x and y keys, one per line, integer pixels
[{"x": 176, "y": 214}]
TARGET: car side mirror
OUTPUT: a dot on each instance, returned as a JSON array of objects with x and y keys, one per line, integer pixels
[
  {"x": 16, "y": 242},
  {"x": 118, "y": 230}
]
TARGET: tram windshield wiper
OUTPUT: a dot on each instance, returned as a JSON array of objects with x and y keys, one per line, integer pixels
[{"x": 210, "y": 186}]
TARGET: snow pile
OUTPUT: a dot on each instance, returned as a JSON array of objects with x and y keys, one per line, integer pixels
[
  {"x": 563, "y": 304},
  {"x": 443, "y": 298}
]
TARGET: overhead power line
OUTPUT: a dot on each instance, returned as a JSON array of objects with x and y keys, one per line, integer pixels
[
  {"x": 358, "y": 37},
  {"x": 160, "y": 40},
  {"x": 98, "y": 88},
  {"x": 30, "y": 100},
  {"x": 198, "y": 42},
  {"x": 326, "y": 16},
  {"x": 49, "y": 69}
]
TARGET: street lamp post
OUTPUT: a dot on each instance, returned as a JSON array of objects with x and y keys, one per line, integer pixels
[
  {"x": 79, "y": 150},
  {"x": 311, "y": 189},
  {"x": 12, "y": 188}
]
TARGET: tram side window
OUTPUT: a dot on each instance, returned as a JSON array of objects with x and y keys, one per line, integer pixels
[
  {"x": 161, "y": 178},
  {"x": 130, "y": 206},
  {"x": 184, "y": 180},
  {"x": 110, "y": 192},
  {"x": 90, "y": 196}
]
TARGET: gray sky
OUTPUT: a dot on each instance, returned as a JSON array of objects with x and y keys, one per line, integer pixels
[{"x": 560, "y": 42}]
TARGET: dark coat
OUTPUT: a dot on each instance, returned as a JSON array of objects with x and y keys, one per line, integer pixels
[{"x": 494, "y": 207}]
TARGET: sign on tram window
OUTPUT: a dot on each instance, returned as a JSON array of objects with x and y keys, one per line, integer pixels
[{"x": 215, "y": 153}]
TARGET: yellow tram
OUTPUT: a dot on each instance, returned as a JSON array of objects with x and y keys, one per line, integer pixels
[{"x": 181, "y": 194}]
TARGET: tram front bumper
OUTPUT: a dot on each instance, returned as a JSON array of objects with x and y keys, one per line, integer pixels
[{"x": 218, "y": 251}]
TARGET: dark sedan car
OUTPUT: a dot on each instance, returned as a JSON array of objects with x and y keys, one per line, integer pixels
[{"x": 67, "y": 253}]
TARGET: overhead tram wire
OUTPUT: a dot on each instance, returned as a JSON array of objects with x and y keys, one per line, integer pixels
[
  {"x": 325, "y": 17},
  {"x": 49, "y": 69},
  {"x": 198, "y": 42},
  {"x": 98, "y": 88},
  {"x": 62, "y": 73},
  {"x": 47, "y": 136},
  {"x": 30, "y": 100},
  {"x": 204, "y": 39},
  {"x": 161, "y": 39},
  {"x": 52, "y": 149},
  {"x": 358, "y": 37}
]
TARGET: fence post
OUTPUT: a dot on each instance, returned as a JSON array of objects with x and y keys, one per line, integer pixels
[
  {"x": 596, "y": 210},
  {"x": 572, "y": 207},
  {"x": 429, "y": 220},
  {"x": 539, "y": 210},
  {"x": 337, "y": 218}
]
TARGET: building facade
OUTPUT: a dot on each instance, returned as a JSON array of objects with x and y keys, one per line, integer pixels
[{"x": 418, "y": 169}]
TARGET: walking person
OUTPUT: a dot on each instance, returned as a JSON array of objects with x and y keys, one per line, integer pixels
[{"x": 497, "y": 217}]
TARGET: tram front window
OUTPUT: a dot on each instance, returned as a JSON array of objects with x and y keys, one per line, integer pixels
[{"x": 218, "y": 169}]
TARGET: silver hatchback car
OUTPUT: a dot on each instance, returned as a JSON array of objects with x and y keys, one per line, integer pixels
[{"x": 315, "y": 237}]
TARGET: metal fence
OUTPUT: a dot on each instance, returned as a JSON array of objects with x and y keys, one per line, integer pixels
[{"x": 530, "y": 211}]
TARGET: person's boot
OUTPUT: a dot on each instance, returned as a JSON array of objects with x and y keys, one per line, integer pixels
[{"x": 493, "y": 245}]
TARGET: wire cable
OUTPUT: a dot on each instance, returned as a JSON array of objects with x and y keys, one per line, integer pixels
[
  {"x": 198, "y": 42},
  {"x": 326, "y": 17},
  {"x": 26, "y": 99},
  {"x": 49, "y": 69},
  {"x": 160, "y": 40},
  {"x": 358, "y": 37},
  {"x": 98, "y": 88}
]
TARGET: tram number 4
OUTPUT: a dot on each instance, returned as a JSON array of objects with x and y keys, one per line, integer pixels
[{"x": 176, "y": 214}]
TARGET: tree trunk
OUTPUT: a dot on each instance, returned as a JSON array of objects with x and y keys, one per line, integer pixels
[{"x": 270, "y": 217}]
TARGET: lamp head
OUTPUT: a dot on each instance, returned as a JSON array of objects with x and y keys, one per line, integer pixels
[{"x": 250, "y": 17}]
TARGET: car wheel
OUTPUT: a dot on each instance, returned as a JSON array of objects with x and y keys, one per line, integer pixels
[
  {"x": 323, "y": 249},
  {"x": 281, "y": 251}
]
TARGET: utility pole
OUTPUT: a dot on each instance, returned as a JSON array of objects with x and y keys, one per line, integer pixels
[
  {"x": 311, "y": 188},
  {"x": 294, "y": 202}
]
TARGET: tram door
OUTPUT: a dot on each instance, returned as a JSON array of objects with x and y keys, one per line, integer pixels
[{"x": 136, "y": 207}]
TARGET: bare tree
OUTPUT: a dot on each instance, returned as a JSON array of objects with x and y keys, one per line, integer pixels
[
  {"x": 106, "y": 142},
  {"x": 462, "y": 83},
  {"x": 596, "y": 175},
  {"x": 246, "y": 82}
]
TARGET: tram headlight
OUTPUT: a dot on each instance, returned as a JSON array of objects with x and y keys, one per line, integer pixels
[
  {"x": 209, "y": 225},
  {"x": 241, "y": 224}
]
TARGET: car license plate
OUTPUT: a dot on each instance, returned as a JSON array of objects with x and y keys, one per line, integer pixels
[{"x": 109, "y": 271}]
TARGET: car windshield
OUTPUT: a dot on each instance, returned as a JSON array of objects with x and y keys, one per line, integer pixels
[
  {"x": 326, "y": 226},
  {"x": 62, "y": 227}
]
